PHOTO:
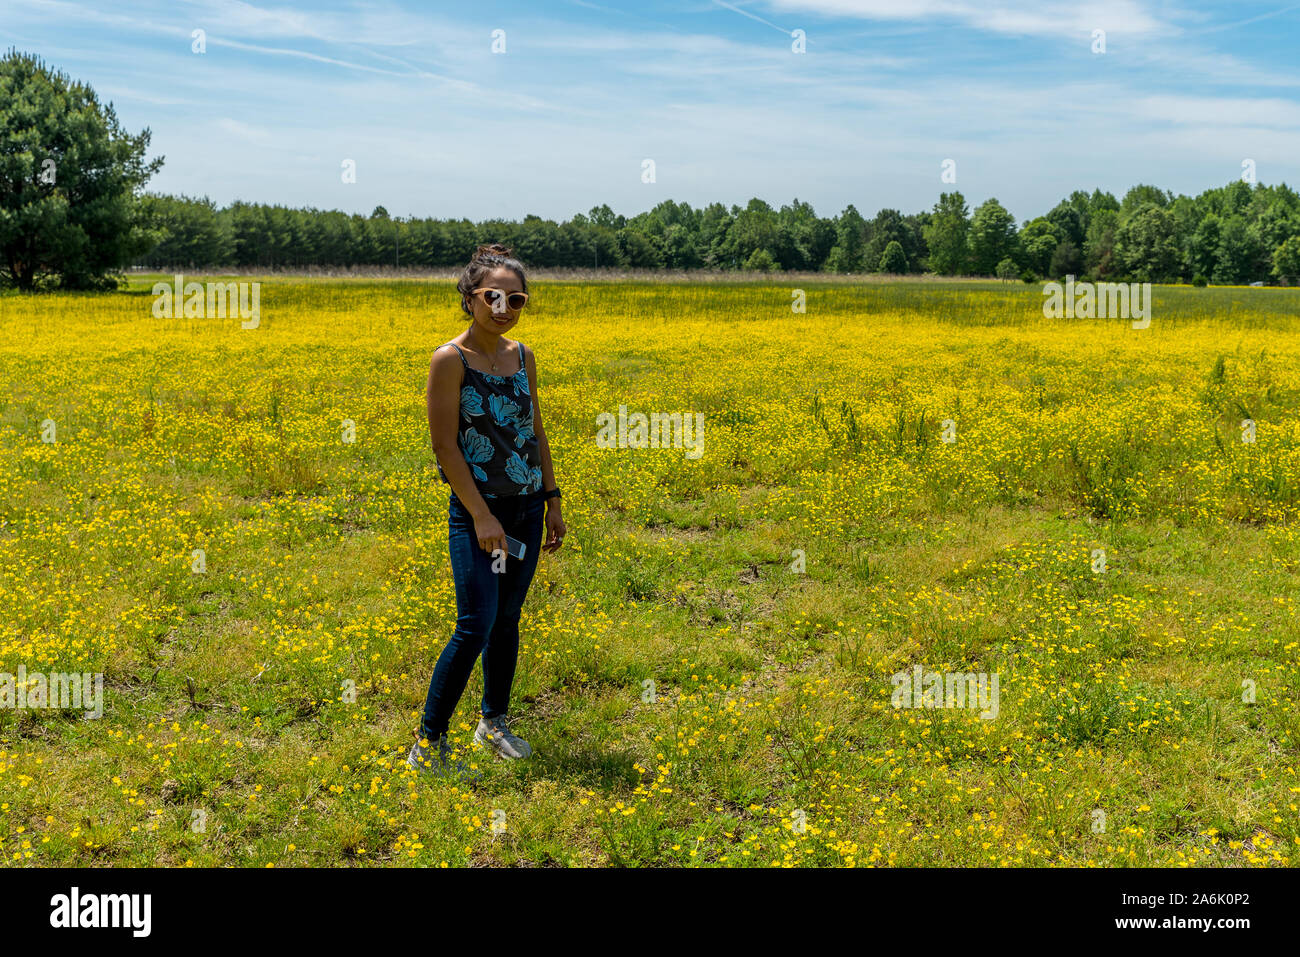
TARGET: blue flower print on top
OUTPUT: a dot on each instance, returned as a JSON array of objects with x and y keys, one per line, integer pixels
[
  {"x": 504, "y": 411},
  {"x": 471, "y": 403},
  {"x": 523, "y": 431},
  {"x": 521, "y": 473},
  {"x": 477, "y": 448}
]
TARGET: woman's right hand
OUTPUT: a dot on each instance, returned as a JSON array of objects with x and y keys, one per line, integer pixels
[{"x": 491, "y": 535}]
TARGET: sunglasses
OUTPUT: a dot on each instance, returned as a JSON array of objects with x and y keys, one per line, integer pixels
[{"x": 499, "y": 300}]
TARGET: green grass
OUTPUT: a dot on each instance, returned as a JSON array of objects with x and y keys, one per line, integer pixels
[{"x": 229, "y": 694}]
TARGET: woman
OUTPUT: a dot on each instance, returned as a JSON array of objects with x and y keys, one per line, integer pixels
[{"x": 485, "y": 424}]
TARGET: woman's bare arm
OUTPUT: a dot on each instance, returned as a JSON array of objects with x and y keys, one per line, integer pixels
[{"x": 555, "y": 527}]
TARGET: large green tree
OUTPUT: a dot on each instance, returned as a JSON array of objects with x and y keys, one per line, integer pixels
[
  {"x": 1203, "y": 247},
  {"x": 1145, "y": 243},
  {"x": 754, "y": 228},
  {"x": 802, "y": 238},
  {"x": 850, "y": 232},
  {"x": 1069, "y": 218},
  {"x": 1099, "y": 248},
  {"x": 893, "y": 260},
  {"x": 992, "y": 237},
  {"x": 1038, "y": 241},
  {"x": 888, "y": 227},
  {"x": 946, "y": 235},
  {"x": 1286, "y": 260},
  {"x": 1067, "y": 260},
  {"x": 1239, "y": 254},
  {"x": 70, "y": 182}
]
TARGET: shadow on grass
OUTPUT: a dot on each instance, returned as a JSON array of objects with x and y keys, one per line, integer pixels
[{"x": 589, "y": 766}]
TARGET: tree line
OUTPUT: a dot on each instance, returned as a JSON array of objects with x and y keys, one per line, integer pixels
[{"x": 1235, "y": 234}]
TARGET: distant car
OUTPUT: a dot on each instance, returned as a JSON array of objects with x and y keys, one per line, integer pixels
[{"x": 1257, "y": 284}]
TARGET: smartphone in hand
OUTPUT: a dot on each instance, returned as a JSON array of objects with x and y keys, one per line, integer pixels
[{"x": 514, "y": 547}]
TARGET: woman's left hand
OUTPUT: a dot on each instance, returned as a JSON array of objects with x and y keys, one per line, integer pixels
[{"x": 554, "y": 529}]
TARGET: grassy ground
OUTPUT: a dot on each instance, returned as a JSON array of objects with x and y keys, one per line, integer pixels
[{"x": 827, "y": 539}]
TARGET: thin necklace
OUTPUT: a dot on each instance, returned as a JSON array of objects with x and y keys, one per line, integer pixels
[{"x": 493, "y": 359}]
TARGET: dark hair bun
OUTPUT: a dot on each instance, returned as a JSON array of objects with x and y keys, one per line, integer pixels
[{"x": 489, "y": 250}]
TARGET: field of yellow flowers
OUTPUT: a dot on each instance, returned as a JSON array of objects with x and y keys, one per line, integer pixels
[{"x": 241, "y": 529}]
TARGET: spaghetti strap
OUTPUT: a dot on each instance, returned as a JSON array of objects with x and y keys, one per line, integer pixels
[
  {"x": 522, "y": 364},
  {"x": 461, "y": 354}
]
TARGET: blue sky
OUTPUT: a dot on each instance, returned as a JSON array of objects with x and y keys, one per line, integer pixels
[{"x": 439, "y": 125}]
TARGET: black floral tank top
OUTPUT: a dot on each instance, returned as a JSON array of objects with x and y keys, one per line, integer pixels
[{"x": 496, "y": 431}]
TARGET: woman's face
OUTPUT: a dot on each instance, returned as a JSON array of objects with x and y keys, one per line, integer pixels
[{"x": 501, "y": 317}]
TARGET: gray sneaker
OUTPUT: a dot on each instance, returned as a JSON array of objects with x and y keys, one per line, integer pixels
[
  {"x": 493, "y": 734},
  {"x": 437, "y": 759}
]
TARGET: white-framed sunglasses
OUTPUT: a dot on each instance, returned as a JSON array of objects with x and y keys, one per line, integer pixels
[{"x": 498, "y": 300}]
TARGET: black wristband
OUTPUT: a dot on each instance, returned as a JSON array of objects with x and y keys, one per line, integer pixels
[{"x": 553, "y": 493}]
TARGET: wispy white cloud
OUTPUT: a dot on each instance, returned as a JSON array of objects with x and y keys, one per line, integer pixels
[
  {"x": 110, "y": 92},
  {"x": 1023, "y": 18},
  {"x": 743, "y": 12},
  {"x": 245, "y": 131},
  {"x": 1219, "y": 27},
  {"x": 1220, "y": 112}
]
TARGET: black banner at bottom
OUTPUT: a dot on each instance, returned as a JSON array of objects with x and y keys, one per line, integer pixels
[{"x": 339, "y": 906}]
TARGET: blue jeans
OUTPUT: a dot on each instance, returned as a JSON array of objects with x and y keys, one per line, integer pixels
[{"x": 488, "y": 604}]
